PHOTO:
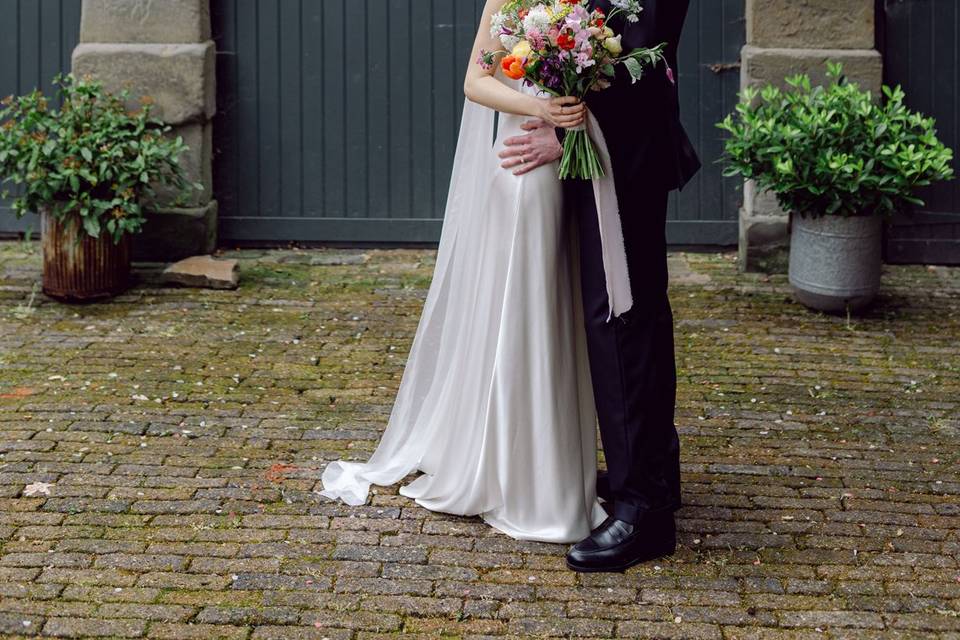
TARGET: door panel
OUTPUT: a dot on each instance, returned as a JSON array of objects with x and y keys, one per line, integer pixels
[
  {"x": 326, "y": 138},
  {"x": 919, "y": 39}
]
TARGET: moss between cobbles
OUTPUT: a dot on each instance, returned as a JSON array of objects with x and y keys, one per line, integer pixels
[{"x": 820, "y": 465}]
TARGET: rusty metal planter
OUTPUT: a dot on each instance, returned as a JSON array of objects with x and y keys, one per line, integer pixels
[{"x": 82, "y": 269}]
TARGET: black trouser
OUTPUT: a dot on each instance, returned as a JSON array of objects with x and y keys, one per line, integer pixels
[{"x": 632, "y": 357}]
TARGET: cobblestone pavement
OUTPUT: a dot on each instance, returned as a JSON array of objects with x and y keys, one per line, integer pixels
[{"x": 158, "y": 457}]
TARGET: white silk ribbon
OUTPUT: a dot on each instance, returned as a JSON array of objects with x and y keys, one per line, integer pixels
[{"x": 619, "y": 294}]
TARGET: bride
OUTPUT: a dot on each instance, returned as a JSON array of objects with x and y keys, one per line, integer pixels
[{"x": 496, "y": 409}]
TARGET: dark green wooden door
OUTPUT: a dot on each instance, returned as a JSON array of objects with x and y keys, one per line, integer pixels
[
  {"x": 707, "y": 211},
  {"x": 37, "y": 38},
  {"x": 338, "y": 118},
  {"x": 920, "y": 42}
]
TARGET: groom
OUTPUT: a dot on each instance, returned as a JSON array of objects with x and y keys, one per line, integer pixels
[{"x": 631, "y": 357}]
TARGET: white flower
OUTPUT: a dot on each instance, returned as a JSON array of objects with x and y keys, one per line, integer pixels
[
  {"x": 509, "y": 42},
  {"x": 631, "y": 8},
  {"x": 497, "y": 22},
  {"x": 613, "y": 45},
  {"x": 537, "y": 20}
]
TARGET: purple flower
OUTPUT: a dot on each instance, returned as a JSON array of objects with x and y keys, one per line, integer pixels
[
  {"x": 670, "y": 75},
  {"x": 551, "y": 73}
]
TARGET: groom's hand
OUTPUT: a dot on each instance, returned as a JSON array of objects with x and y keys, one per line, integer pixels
[{"x": 539, "y": 147}]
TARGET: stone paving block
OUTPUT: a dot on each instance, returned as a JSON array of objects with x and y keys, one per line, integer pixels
[
  {"x": 413, "y": 606},
  {"x": 194, "y": 631},
  {"x": 30, "y": 591},
  {"x": 92, "y": 577},
  {"x": 73, "y": 560},
  {"x": 264, "y": 581},
  {"x": 358, "y": 620},
  {"x": 109, "y": 594},
  {"x": 828, "y": 619},
  {"x": 142, "y": 562},
  {"x": 12, "y": 624},
  {"x": 94, "y": 628},
  {"x": 379, "y": 554},
  {"x": 152, "y": 612},
  {"x": 169, "y": 580},
  {"x": 272, "y": 632},
  {"x": 669, "y": 630},
  {"x": 248, "y": 615}
]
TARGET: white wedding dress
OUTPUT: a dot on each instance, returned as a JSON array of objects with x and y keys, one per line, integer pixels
[{"x": 495, "y": 407}]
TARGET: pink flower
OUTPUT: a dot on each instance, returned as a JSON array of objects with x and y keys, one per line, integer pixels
[
  {"x": 578, "y": 17},
  {"x": 536, "y": 39},
  {"x": 583, "y": 38},
  {"x": 670, "y": 75},
  {"x": 553, "y": 34},
  {"x": 485, "y": 60},
  {"x": 585, "y": 60}
]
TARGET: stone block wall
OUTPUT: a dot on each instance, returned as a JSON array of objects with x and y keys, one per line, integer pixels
[
  {"x": 162, "y": 49},
  {"x": 785, "y": 37}
]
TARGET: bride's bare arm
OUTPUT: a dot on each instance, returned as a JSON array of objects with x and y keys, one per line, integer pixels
[{"x": 481, "y": 87}]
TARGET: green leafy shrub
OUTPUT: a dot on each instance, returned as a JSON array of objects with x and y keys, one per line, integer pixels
[
  {"x": 92, "y": 159},
  {"x": 833, "y": 150}
]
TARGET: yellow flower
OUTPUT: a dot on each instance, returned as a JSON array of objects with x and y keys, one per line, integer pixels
[
  {"x": 522, "y": 50},
  {"x": 613, "y": 45},
  {"x": 606, "y": 33}
]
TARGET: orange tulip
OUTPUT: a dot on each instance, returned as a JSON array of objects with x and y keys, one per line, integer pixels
[{"x": 512, "y": 67}]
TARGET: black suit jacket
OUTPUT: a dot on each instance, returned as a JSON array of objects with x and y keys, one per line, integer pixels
[{"x": 641, "y": 122}]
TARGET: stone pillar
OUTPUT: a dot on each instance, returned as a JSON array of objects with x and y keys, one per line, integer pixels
[
  {"x": 162, "y": 49},
  {"x": 785, "y": 37}
]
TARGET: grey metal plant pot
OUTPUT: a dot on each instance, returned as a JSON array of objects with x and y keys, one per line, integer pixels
[{"x": 836, "y": 262}]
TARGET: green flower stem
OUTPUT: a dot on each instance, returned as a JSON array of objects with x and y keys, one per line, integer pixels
[{"x": 580, "y": 160}]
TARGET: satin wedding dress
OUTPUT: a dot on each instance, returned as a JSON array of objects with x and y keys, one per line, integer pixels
[{"x": 495, "y": 408}]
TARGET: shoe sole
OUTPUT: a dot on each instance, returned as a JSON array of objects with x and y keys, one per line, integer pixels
[{"x": 620, "y": 568}]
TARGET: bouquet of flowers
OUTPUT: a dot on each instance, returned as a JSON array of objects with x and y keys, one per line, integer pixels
[{"x": 565, "y": 49}]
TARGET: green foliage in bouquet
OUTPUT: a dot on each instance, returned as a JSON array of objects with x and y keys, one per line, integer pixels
[
  {"x": 92, "y": 159},
  {"x": 833, "y": 150}
]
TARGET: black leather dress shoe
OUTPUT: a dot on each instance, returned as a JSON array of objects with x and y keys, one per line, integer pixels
[{"x": 617, "y": 545}]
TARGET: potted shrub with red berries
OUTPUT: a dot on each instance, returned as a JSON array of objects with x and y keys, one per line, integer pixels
[{"x": 90, "y": 169}]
